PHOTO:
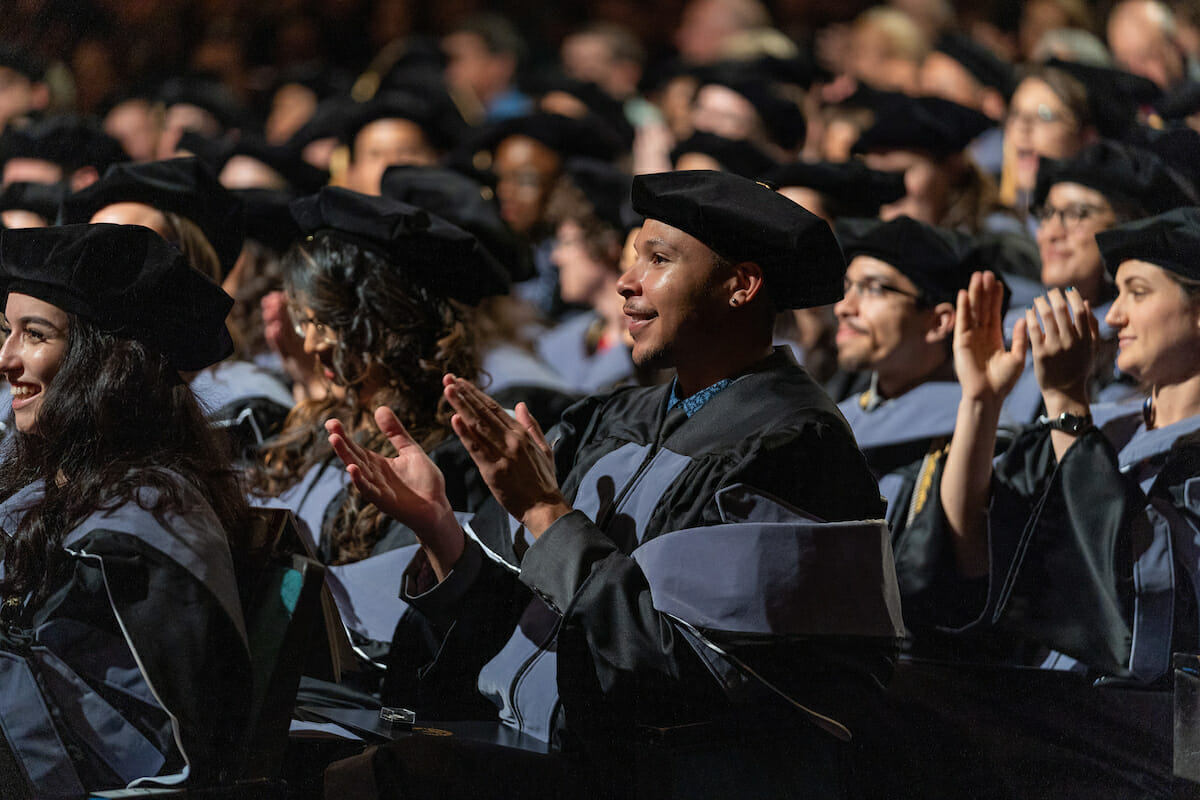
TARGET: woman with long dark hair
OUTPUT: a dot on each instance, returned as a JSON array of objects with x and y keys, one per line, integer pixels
[
  {"x": 380, "y": 292},
  {"x": 122, "y": 644}
]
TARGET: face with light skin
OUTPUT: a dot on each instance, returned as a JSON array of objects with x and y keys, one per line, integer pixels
[
  {"x": 942, "y": 76},
  {"x": 384, "y": 143},
  {"x": 581, "y": 277},
  {"x": 720, "y": 110},
  {"x": 688, "y": 161},
  {"x": 889, "y": 333},
  {"x": 31, "y": 170},
  {"x": 675, "y": 297},
  {"x": 1069, "y": 253},
  {"x": 246, "y": 172},
  {"x": 1138, "y": 38},
  {"x": 133, "y": 214},
  {"x": 925, "y": 183},
  {"x": 16, "y": 218},
  {"x": 1039, "y": 124},
  {"x": 33, "y": 351},
  {"x": 809, "y": 199},
  {"x": 136, "y": 125},
  {"x": 1157, "y": 325}
]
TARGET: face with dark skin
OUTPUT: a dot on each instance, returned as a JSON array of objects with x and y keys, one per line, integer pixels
[
  {"x": 676, "y": 295},
  {"x": 525, "y": 171}
]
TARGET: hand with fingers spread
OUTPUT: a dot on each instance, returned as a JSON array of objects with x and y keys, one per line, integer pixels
[
  {"x": 986, "y": 370},
  {"x": 1063, "y": 348},
  {"x": 987, "y": 373},
  {"x": 512, "y": 455},
  {"x": 408, "y": 487}
]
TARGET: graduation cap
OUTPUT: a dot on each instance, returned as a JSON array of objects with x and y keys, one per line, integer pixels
[
  {"x": 414, "y": 64},
  {"x": 204, "y": 92},
  {"x": 589, "y": 136},
  {"x": 595, "y": 99},
  {"x": 444, "y": 257},
  {"x": 1122, "y": 173},
  {"x": 781, "y": 115},
  {"x": 925, "y": 124},
  {"x": 1181, "y": 102},
  {"x": 984, "y": 66},
  {"x": 854, "y": 189},
  {"x": 183, "y": 186},
  {"x": 1114, "y": 96},
  {"x": 464, "y": 202},
  {"x": 127, "y": 280},
  {"x": 742, "y": 220},
  {"x": 738, "y": 156},
  {"x": 441, "y": 123},
  {"x": 67, "y": 140},
  {"x": 327, "y": 122},
  {"x": 267, "y": 217},
  {"x": 605, "y": 187},
  {"x": 42, "y": 199},
  {"x": 1170, "y": 241},
  {"x": 319, "y": 78},
  {"x": 930, "y": 257},
  {"x": 284, "y": 160},
  {"x": 21, "y": 60},
  {"x": 1177, "y": 145}
]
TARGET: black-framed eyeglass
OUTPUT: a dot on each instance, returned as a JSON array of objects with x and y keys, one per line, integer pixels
[
  {"x": 1069, "y": 215},
  {"x": 875, "y": 289}
]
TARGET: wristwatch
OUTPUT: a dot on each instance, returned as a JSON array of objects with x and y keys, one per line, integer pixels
[{"x": 1068, "y": 423}]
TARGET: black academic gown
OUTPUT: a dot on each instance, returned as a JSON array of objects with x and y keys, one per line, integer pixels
[
  {"x": 582, "y": 635},
  {"x": 135, "y": 664},
  {"x": 1096, "y": 556}
]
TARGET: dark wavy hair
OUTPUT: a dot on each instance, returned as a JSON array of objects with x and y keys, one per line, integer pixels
[
  {"x": 116, "y": 418},
  {"x": 388, "y": 326}
]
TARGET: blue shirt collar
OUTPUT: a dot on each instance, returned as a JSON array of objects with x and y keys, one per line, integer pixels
[{"x": 696, "y": 402}]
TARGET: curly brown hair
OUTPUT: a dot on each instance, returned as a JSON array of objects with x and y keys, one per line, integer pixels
[{"x": 389, "y": 326}]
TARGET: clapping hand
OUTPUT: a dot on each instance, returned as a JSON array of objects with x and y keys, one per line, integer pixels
[
  {"x": 407, "y": 487},
  {"x": 1063, "y": 347},
  {"x": 986, "y": 370},
  {"x": 512, "y": 455}
]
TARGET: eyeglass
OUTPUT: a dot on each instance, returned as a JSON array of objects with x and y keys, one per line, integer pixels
[
  {"x": 874, "y": 288},
  {"x": 300, "y": 325},
  {"x": 1069, "y": 216},
  {"x": 1043, "y": 114}
]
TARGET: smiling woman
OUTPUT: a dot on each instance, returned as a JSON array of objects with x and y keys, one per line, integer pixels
[
  {"x": 1098, "y": 502},
  {"x": 36, "y": 339},
  {"x": 381, "y": 293},
  {"x": 119, "y": 512}
]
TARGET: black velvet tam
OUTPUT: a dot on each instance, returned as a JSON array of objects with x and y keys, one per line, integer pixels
[
  {"x": 443, "y": 256},
  {"x": 464, "y": 202},
  {"x": 984, "y": 65},
  {"x": 742, "y": 220},
  {"x": 932, "y": 258},
  {"x": 924, "y": 124},
  {"x": 183, "y": 186},
  {"x": 1170, "y": 241},
  {"x": 441, "y": 123},
  {"x": 739, "y": 156},
  {"x": 70, "y": 141},
  {"x": 588, "y": 136},
  {"x": 128, "y": 280},
  {"x": 1124, "y": 174},
  {"x": 855, "y": 189},
  {"x": 606, "y": 187},
  {"x": 42, "y": 199}
]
